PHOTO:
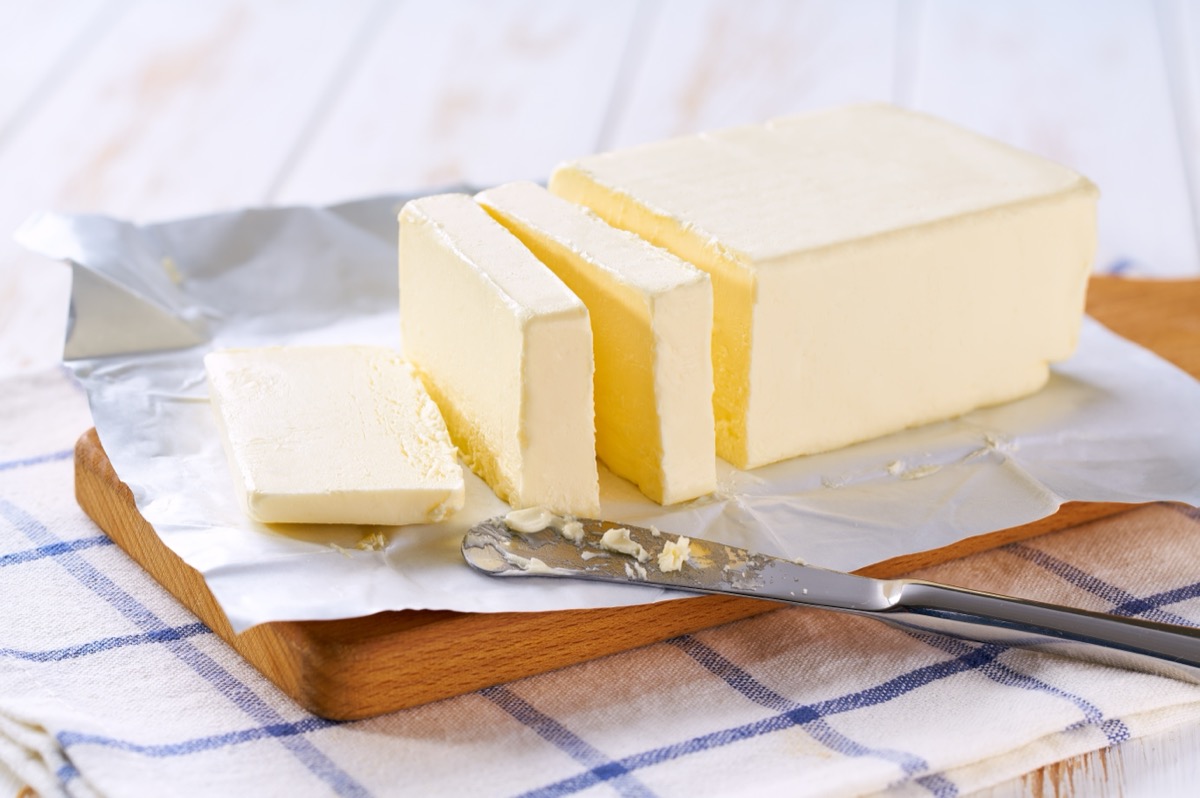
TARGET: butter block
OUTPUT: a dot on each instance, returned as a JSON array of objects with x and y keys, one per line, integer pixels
[
  {"x": 651, "y": 319},
  {"x": 873, "y": 268},
  {"x": 332, "y": 435},
  {"x": 505, "y": 350}
]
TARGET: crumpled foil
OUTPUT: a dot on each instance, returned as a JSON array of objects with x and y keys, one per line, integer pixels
[{"x": 1116, "y": 423}]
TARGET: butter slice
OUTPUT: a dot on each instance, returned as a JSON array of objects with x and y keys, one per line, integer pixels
[
  {"x": 873, "y": 269},
  {"x": 332, "y": 435},
  {"x": 651, "y": 329},
  {"x": 505, "y": 350}
]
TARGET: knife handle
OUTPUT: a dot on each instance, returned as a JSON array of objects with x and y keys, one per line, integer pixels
[{"x": 1157, "y": 648}]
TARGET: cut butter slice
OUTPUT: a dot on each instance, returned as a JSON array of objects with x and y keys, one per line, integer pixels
[
  {"x": 873, "y": 269},
  {"x": 651, "y": 317},
  {"x": 505, "y": 350},
  {"x": 332, "y": 435}
]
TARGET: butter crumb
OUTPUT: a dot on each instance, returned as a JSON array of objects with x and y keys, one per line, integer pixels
[
  {"x": 920, "y": 472},
  {"x": 535, "y": 566},
  {"x": 443, "y": 510},
  {"x": 898, "y": 468},
  {"x": 617, "y": 540},
  {"x": 529, "y": 520},
  {"x": 674, "y": 554},
  {"x": 372, "y": 541},
  {"x": 572, "y": 531},
  {"x": 172, "y": 271}
]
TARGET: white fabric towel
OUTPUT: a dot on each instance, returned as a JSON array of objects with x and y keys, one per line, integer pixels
[{"x": 109, "y": 687}]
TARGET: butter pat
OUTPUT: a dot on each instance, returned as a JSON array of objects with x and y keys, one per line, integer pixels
[
  {"x": 651, "y": 317},
  {"x": 505, "y": 350},
  {"x": 617, "y": 540},
  {"x": 332, "y": 435},
  {"x": 674, "y": 554},
  {"x": 529, "y": 520},
  {"x": 873, "y": 269}
]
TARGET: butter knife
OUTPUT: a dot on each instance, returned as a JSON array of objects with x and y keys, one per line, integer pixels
[{"x": 609, "y": 552}]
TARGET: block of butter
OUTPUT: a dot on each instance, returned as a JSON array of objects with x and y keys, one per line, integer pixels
[
  {"x": 873, "y": 269},
  {"x": 651, "y": 319},
  {"x": 505, "y": 350},
  {"x": 332, "y": 435}
]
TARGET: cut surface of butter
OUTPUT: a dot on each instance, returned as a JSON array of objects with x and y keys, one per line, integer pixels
[
  {"x": 873, "y": 268},
  {"x": 505, "y": 350},
  {"x": 332, "y": 435},
  {"x": 651, "y": 316}
]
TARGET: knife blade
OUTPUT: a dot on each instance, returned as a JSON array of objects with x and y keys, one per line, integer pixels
[{"x": 542, "y": 545}]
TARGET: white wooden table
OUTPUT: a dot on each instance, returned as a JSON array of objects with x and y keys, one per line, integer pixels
[{"x": 152, "y": 110}]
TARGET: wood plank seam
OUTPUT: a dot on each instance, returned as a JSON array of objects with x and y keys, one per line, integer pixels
[
  {"x": 1172, "y": 36},
  {"x": 357, "y": 49},
  {"x": 74, "y": 57},
  {"x": 906, "y": 52},
  {"x": 633, "y": 54}
]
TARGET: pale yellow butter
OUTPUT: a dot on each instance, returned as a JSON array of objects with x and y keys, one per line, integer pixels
[
  {"x": 674, "y": 554},
  {"x": 618, "y": 540},
  {"x": 651, "y": 317},
  {"x": 332, "y": 435},
  {"x": 505, "y": 350},
  {"x": 872, "y": 268}
]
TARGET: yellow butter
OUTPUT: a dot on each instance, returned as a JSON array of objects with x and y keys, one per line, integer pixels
[
  {"x": 332, "y": 435},
  {"x": 505, "y": 350},
  {"x": 651, "y": 317},
  {"x": 872, "y": 268}
]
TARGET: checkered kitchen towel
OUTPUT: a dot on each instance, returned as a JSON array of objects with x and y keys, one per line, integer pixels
[{"x": 109, "y": 687}]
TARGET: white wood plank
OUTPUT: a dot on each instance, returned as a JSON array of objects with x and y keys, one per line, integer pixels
[
  {"x": 1179, "y": 26},
  {"x": 181, "y": 108},
  {"x": 718, "y": 63},
  {"x": 186, "y": 107},
  {"x": 475, "y": 92},
  {"x": 33, "y": 312},
  {"x": 40, "y": 45},
  {"x": 37, "y": 41},
  {"x": 1084, "y": 83}
]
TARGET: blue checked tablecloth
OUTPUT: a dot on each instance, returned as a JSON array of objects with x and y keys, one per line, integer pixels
[{"x": 109, "y": 687}]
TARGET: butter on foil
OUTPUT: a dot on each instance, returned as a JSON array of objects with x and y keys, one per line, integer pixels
[{"x": 1115, "y": 424}]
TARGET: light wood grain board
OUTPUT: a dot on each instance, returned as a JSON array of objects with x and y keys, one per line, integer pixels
[
  {"x": 1091, "y": 82},
  {"x": 34, "y": 54},
  {"x": 703, "y": 65},
  {"x": 155, "y": 110},
  {"x": 151, "y": 110},
  {"x": 1179, "y": 26},
  {"x": 360, "y": 667},
  {"x": 480, "y": 93}
]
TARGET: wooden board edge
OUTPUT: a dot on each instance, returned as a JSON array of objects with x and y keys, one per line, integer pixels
[
  {"x": 109, "y": 502},
  {"x": 359, "y": 667}
]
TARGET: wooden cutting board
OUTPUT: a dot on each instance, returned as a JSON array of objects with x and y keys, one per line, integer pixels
[{"x": 359, "y": 667}]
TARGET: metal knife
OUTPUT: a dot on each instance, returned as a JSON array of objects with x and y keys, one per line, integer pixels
[{"x": 581, "y": 553}]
